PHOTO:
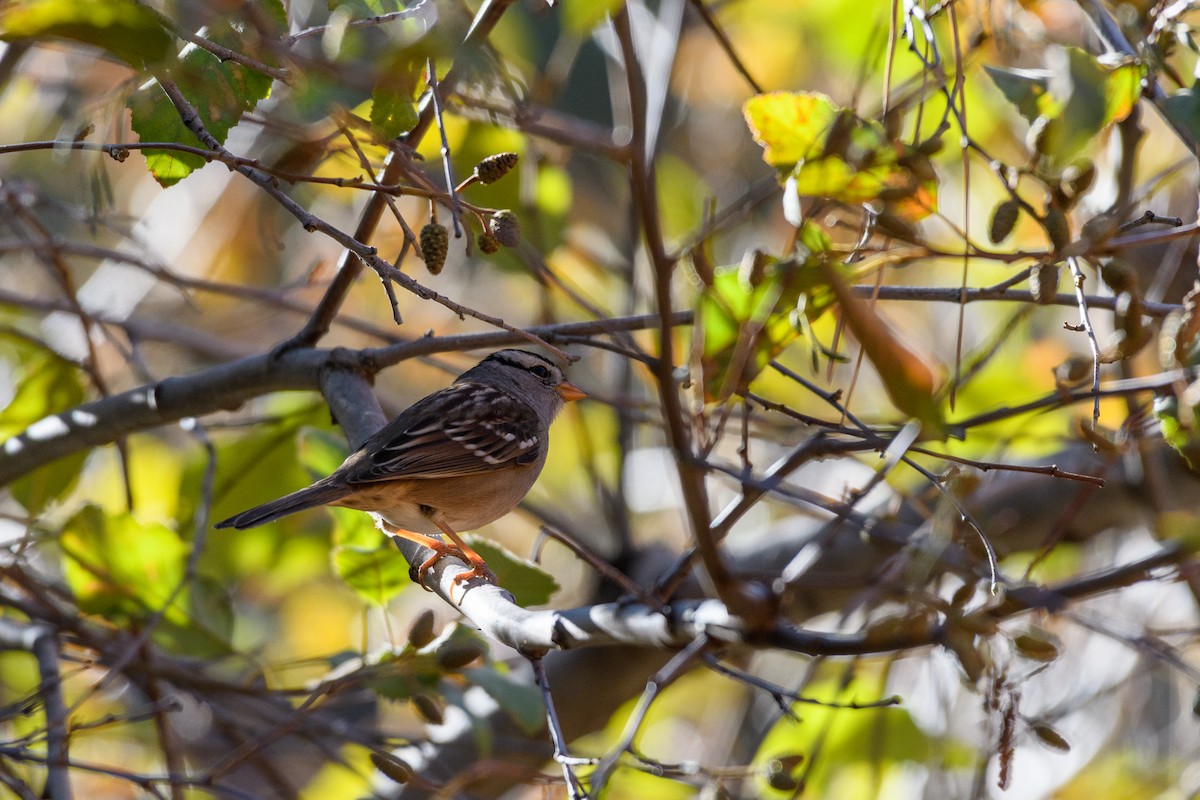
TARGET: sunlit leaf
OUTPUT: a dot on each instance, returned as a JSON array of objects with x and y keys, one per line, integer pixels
[
  {"x": 1073, "y": 100},
  {"x": 791, "y": 126},
  {"x": 828, "y": 151},
  {"x": 528, "y": 583},
  {"x": 220, "y": 91},
  {"x": 1027, "y": 89},
  {"x": 48, "y": 385},
  {"x": 847, "y": 738},
  {"x": 377, "y": 574},
  {"x": 393, "y": 100},
  {"x": 123, "y": 28},
  {"x": 580, "y": 16},
  {"x": 117, "y": 565},
  {"x": 750, "y": 313},
  {"x": 1181, "y": 528},
  {"x": 1122, "y": 89}
]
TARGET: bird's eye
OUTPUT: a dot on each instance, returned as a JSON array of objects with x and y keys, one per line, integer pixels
[{"x": 540, "y": 371}]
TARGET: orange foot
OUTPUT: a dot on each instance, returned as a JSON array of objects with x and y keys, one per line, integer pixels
[{"x": 459, "y": 548}]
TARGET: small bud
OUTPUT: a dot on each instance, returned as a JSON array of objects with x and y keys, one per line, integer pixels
[
  {"x": 505, "y": 227},
  {"x": 1043, "y": 282},
  {"x": 931, "y": 146},
  {"x": 1036, "y": 646},
  {"x": 458, "y": 656},
  {"x": 395, "y": 768},
  {"x": 1057, "y": 228},
  {"x": 422, "y": 632},
  {"x": 435, "y": 243},
  {"x": 428, "y": 708},
  {"x": 1078, "y": 177},
  {"x": 1003, "y": 220},
  {"x": 1050, "y": 737},
  {"x": 493, "y": 168},
  {"x": 488, "y": 244}
]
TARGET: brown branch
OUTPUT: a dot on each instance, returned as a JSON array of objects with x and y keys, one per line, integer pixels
[{"x": 645, "y": 197}]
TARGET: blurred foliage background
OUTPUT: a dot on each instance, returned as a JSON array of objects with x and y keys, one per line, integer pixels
[{"x": 947, "y": 247}]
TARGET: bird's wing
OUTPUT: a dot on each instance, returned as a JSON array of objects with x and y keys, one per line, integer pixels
[{"x": 465, "y": 429}]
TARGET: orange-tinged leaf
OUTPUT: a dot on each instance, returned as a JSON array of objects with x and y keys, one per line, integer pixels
[
  {"x": 790, "y": 126},
  {"x": 910, "y": 382},
  {"x": 829, "y": 151}
]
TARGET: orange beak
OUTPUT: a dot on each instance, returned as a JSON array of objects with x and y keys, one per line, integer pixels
[{"x": 569, "y": 391}]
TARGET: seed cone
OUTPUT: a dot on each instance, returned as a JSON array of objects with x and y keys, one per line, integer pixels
[
  {"x": 493, "y": 168},
  {"x": 488, "y": 243},
  {"x": 505, "y": 227},
  {"x": 435, "y": 243}
]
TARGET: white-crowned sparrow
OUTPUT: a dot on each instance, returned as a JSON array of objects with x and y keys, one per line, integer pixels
[{"x": 453, "y": 461}]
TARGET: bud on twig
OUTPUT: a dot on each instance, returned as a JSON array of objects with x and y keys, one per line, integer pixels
[{"x": 505, "y": 227}]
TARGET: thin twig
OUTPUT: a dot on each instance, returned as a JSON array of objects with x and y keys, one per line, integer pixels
[
  {"x": 677, "y": 666},
  {"x": 575, "y": 790},
  {"x": 447, "y": 167},
  {"x": 1086, "y": 321}
]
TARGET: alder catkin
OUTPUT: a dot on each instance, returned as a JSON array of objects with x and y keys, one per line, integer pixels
[
  {"x": 505, "y": 226},
  {"x": 493, "y": 168},
  {"x": 488, "y": 244},
  {"x": 435, "y": 243}
]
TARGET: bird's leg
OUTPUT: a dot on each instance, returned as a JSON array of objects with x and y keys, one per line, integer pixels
[
  {"x": 440, "y": 548},
  {"x": 478, "y": 566}
]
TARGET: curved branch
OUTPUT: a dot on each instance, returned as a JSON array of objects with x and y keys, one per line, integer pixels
[
  {"x": 170, "y": 400},
  {"x": 227, "y": 386}
]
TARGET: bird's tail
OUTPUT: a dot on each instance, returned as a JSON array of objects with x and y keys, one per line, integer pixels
[{"x": 318, "y": 494}]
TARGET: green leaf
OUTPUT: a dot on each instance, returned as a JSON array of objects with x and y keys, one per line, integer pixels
[
  {"x": 1027, "y": 89},
  {"x": 117, "y": 565},
  {"x": 412, "y": 670},
  {"x": 1178, "y": 429},
  {"x": 362, "y": 555},
  {"x": 123, "y": 28},
  {"x": 155, "y": 119},
  {"x": 1070, "y": 103},
  {"x": 749, "y": 314},
  {"x": 581, "y": 16},
  {"x": 320, "y": 452},
  {"x": 847, "y": 739},
  {"x": 529, "y": 584},
  {"x": 48, "y": 385},
  {"x": 376, "y": 574},
  {"x": 1183, "y": 108},
  {"x": 262, "y": 463},
  {"x": 393, "y": 100},
  {"x": 521, "y": 701},
  {"x": 221, "y": 91}
]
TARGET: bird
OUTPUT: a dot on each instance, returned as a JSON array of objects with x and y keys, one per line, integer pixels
[{"x": 453, "y": 461}]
